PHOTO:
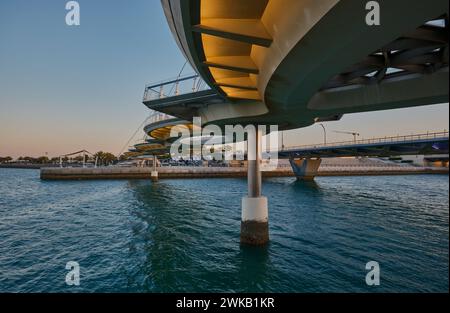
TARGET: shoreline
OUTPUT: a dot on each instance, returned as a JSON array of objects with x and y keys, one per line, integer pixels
[
  {"x": 28, "y": 166},
  {"x": 213, "y": 172}
]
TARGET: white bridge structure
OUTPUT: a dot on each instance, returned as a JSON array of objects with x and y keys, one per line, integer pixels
[{"x": 296, "y": 62}]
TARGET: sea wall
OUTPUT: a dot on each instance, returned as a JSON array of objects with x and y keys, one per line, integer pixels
[{"x": 213, "y": 172}]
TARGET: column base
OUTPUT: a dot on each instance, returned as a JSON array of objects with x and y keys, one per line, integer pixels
[
  {"x": 305, "y": 169},
  {"x": 255, "y": 221},
  {"x": 154, "y": 176},
  {"x": 306, "y": 178}
]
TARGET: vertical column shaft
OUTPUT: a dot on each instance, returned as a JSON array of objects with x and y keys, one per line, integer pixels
[
  {"x": 255, "y": 212},
  {"x": 254, "y": 164},
  {"x": 154, "y": 174}
]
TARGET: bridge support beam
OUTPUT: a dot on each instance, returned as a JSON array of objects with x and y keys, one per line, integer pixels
[
  {"x": 255, "y": 211},
  {"x": 305, "y": 169},
  {"x": 154, "y": 174}
]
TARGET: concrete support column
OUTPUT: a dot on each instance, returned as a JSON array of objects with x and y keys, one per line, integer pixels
[
  {"x": 154, "y": 175},
  {"x": 255, "y": 211},
  {"x": 254, "y": 178},
  {"x": 305, "y": 169}
]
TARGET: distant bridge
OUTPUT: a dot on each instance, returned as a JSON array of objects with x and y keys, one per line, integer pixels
[
  {"x": 419, "y": 144},
  {"x": 306, "y": 160}
]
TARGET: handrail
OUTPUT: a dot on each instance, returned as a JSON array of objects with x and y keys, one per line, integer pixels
[
  {"x": 392, "y": 139},
  {"x": 171, "y": 81},
  {"x": 175, "y": 86},
  {"x": 156, "y": 117}
]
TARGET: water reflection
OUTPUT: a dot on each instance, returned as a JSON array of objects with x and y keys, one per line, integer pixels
[
  {"x": 253, "y": 263},
  {"x": 183, "y": 235},
  {"x": 179, "y": 237},
  {"x": 306, "y": 184}
]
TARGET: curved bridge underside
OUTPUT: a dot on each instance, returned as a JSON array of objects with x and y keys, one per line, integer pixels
[
  {"x": 160, "y": 136},
  {"x": 153, "y": 147},
  {"x": 161, "y": 130},
  {"x": 295, "y": 62}
]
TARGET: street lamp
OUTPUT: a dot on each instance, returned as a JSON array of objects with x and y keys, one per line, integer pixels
[{"x": 324, "y": 134}]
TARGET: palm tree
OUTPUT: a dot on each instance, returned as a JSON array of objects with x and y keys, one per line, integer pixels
[
  {"x": 109, "y": 158},
  {"x": 6, "y": 159},
  {"x": 105, "y": 158},
  {"x": 43, "y": 160}
]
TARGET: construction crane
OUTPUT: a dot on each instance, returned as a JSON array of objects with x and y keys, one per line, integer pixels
[{"x": 354, "y": 134}]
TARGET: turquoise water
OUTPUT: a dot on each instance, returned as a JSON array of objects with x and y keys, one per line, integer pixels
[{"x": 183, "y": 235}]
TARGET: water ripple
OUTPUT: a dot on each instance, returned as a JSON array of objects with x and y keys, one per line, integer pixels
[{"x": 183, "y": 235}]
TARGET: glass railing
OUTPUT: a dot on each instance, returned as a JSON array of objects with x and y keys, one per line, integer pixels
[
  {"x": 174, "y": 87},
  {"x": 156, "y": 117}
]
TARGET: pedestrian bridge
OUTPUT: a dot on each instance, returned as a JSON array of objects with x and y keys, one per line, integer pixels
[
  {"x": 295, "y": 62},
  {"x": 292, "y": 63}
]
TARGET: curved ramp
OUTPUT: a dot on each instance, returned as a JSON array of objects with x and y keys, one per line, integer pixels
[{"x": 291, "y": 62}]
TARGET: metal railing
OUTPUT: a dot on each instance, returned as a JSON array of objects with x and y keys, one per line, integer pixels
[
  {"x": 174, "y": 87},
  {"x": 378, "y": 140},
  {"x": 156, "y": 117}
]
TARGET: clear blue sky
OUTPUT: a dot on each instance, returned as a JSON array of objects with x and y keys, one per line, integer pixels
[{"x": 67, "y": 88}]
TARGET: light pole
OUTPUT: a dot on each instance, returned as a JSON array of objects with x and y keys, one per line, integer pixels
[{"x": 324, "y": 134}]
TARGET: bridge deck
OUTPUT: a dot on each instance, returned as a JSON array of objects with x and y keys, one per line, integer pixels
[{"x": 422, "y": 144}]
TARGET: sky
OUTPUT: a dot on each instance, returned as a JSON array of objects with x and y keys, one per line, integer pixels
[{"x": 67, "y": 88}]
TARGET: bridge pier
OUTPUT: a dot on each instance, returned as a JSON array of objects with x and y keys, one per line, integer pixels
[
  {"x": 305, "y": 169},
  {"x": 255, "y": 211},
  {"x": 154, "y": 174}
]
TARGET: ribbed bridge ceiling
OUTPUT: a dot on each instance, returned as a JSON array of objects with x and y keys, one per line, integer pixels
[
  {"x": 229, "y": 30},
  {"x": 422, "y": 51}
]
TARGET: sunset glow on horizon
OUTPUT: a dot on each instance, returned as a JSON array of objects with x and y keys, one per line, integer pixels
[{"x": 65, "y": 88}]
